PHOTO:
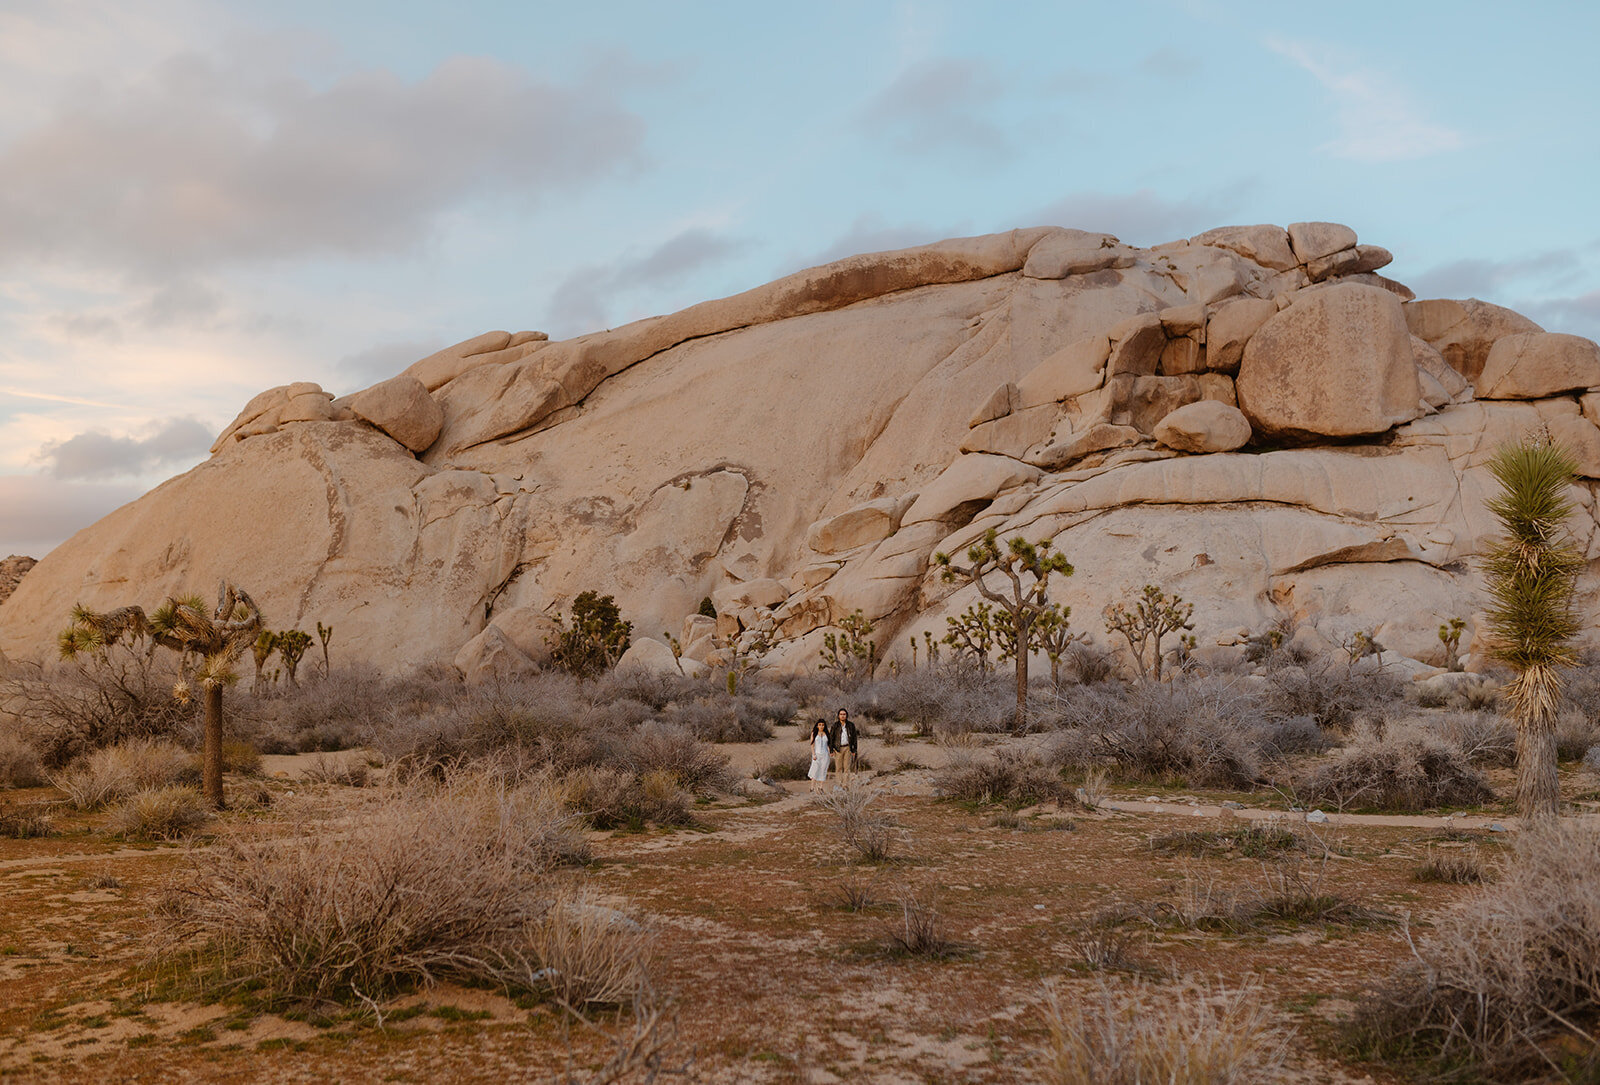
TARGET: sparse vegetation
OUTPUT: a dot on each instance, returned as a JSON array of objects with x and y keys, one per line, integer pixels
[
  {"x": 1007, "y": 776},
  {"x": 1401, "y": 770},
  {"x": 116, "y": 772},
  {"x": 165, "y": 813},
  {"x": 1143, "y": 625},
  {"x": 592, "y": 638},
  {"x": 862, "y": 828},
  {"x": 1507, "y": 987},
  {"x": 1195, "y": 1034}
]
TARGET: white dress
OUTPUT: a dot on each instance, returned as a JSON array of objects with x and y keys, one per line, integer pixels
[{"x": 819, "y": 758}]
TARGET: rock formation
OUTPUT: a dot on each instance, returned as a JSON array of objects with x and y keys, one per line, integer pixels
[
  {"x": 1253, "y": 418},
  {"x": 12, "y": 570}
]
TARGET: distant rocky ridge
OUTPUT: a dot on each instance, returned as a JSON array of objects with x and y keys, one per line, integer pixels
[
  {"x": 1252, "y": 417},
  {"x": 12, "y": 570}
]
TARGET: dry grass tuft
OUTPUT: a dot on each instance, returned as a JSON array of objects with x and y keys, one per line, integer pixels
[
  {"x": 1194, "y": 1034},
  {"x": 1507, "y": 986},
  {"x": 617, "y": 799},
  {"x": 588, "y": 954},
  {"x": 920, "y": 930},
  {"x": 24, "y": 821},
  {"x": 161, "y": 813},
  {"x": 440, "y": 882},
  {"x": 864, "y": 829},
  {"x": 116, "y": 772},
  {"x": 1452, "y": 868},
  {"x": 340, "y": 771}
]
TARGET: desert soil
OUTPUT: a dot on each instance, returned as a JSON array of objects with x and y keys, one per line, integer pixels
[{"x": 769, "y": 976}]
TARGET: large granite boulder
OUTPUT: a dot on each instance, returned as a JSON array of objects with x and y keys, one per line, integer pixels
[
  {"x": 1534, "y": 365},
  {"x": 1351, "y": 345}
]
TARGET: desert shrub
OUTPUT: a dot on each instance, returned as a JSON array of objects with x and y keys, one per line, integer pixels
[
  {"x": 1451, "y": 868},
  {"x": 19, "y": 762},
  {"x": 615, "y": 798},
  {"x": 919, "y": 932},
  {"x": 240, "y": 756},
  {"x": 587, "y": 953},
  {"x": 646, "y": 687},
  {"x": 1484, "y": 738},
  {"x": 668, "y": 748},
  {"x": 1330, "y": 691},
  {"x": 1403, "y": 770},
  {"x": 1194, "y": 1034},
  {"x": 719, "y": 719},
  {"x": 340, "y": 771},
  {"x": 812, "y": 690},
  {"x": 793, "y": 765},
  {"x": 864, "y": 829},
  {"x": 115, "y": 772},
  {"x": 1008, "y": 776},
  {"x": 1202, "y": 732},
  {"x": 764, "y": 701},
  {"x": 95, "y": 700},
  {"x": 340, "y": 712},
  {"x": 1576, "y": 732},
  {"x": 546, "y": 717},
  {"x": 163, "y": 813},
  {"x": 1508, "y": 985},
  {"x": 440, "y": 882},
  {"x": 1087, "y": 664},
  {"x": 941, "y": 700},
  {"x": 1251, "y": 842},
  {"x": 24, "y": 821},
  {"x": 1292, "y": 735},
  {"x": 1591, "y": 759}
]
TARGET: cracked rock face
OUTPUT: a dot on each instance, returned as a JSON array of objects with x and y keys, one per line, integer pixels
[{"x": 1252, "y": 418}]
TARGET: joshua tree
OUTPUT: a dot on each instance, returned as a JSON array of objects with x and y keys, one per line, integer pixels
[
  {"x": 852, "y": 654},
  {"x": 1025, "y": 602},
  {"x": 292, "y": 645},
  {"x": 972, "y": 633},
  {"x": 1450, "y": 637},
  {"x": 1153, "y": 615},
  {"x": 1531, "y": 575},
  {"x": 1052, "y": 633},
  {"x": 183, "y": 626},
  {"x": 265, "y": 644},
  {"x": 324, "y": 634}
]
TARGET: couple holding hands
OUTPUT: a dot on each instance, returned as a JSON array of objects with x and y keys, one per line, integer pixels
[{"x": 839, "y": 739}]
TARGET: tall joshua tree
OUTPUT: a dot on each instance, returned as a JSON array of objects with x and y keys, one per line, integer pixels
[
  {"x": 1027, "y": 566},
  {"x": 1531, "y": 575}
]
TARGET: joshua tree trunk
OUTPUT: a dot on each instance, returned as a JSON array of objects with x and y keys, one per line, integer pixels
[
  {"x": 1022, "y": 680},
  {"x": 211, "y": 758},
  {"x": 1537, "y": 693}
]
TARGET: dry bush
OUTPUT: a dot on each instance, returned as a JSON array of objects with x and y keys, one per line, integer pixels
[
  {"x": 1015, "y": 777},
  {"x": 1251, "y": 842},
  {"x": 920, "y": 929},
  {"x": 666, "y": 747},
  {"x": 1484, "y": 738},
  {"x": 720, "y": 719},
  {"x": 1088, "y": 664},
  {"x": 1451, "y": 868},
  {"x": 941, "y": 700},
  {"x": 856, "y": 892},
  {"x": 586, "y": 953},
  {"x": 163, "y": 813},
  {"x": 1576, "y": 733},
  {"x": 1329, "y": 690},
  {"x": 1194, "y": 1034},
  {"x": 793, "y": 765},
  {"x": 862, "y": 828},
  {"x": 1508, "y": 985},
  {"x": 647, "y": 1051},
  {"x": 24, "y": 821},
  {"x": 340, "y": 771},
  {"x": 1404, "y": 769},
  {"x": 1202, "y": 732},
  {"x": 95, "y": 700},
  {"x": 348, "y": 708},
  {"x": 115, "y": 772},
  {"x": 1110, "y": 949},
  {"x": 19, "y": 762},
  {"x": 615, "y": 798},
  {"x": 1290, "y": 736},
  {"x": 440, "y": 882}
]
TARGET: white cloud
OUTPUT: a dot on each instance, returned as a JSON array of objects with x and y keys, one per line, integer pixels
[
  {"x": 42, "y": 512},
  {"x": 941, "y": 105},
  {"x": 95, "y": 454},
  {"x": 1377, "y": 119},
  {"x": 197, "y": 161}
]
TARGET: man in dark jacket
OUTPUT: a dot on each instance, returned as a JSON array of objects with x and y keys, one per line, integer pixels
[{"x": 842, "y": 738}]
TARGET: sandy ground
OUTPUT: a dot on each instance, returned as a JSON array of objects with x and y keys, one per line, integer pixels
[{"x": 770, "y": 978}]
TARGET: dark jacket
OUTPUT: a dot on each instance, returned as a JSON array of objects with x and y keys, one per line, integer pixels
[{"x": 835, "y": 739}]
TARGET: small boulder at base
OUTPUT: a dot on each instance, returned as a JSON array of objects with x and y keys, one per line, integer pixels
[
  {"x": 1533, "y": 365},
  {"x": 1206, "y": 426},
  {"x": 649, "y": 655},
  {"x": 1336, "y": 363},
  {"x": 402, "y": 408},
  {"x": 491, "y": 657}
]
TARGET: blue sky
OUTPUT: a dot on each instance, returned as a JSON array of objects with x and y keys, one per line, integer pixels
[{"x": 199, "y": 200}]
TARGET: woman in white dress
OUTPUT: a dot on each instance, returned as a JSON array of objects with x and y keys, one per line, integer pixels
[{"x": 819, "y": 756}]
